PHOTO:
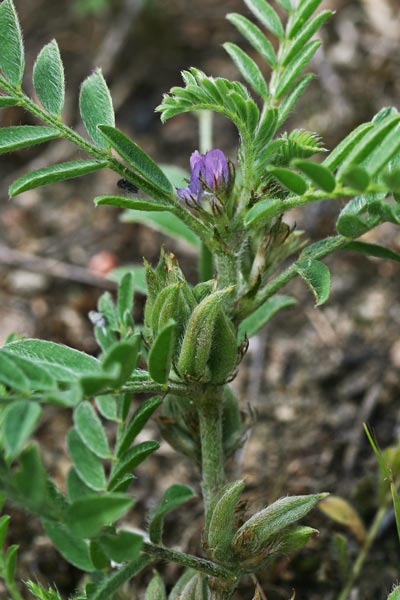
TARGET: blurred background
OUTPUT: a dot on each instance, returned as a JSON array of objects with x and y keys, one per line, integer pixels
[{"x": 313, "y": 376}]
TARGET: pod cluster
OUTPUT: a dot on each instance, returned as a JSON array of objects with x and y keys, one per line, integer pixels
[{"x": 206, "y": 347}]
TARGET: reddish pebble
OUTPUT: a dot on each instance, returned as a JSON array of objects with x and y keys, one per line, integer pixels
[{"x": 102, "y": 262}]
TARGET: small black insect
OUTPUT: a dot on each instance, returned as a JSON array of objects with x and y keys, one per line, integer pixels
[{"x": 127, "y": 186}]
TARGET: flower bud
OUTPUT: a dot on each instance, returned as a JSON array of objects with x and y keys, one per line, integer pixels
[
  {"x": 199, "y": 344},
  {"x": 270, "y": 529}
]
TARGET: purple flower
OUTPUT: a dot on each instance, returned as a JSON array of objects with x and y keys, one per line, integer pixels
[{"x": 210, "y": 173}]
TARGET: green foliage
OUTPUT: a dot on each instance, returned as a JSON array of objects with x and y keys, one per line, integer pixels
[
  {"x": 12, "y": 60},
  {"x": 54, "y": 174},
  {"x": 96, "y": 107},
  {"x": 174, "y": 496},
  {"x": 48, "y": 79},
  {"x": 193, "y": 336}
]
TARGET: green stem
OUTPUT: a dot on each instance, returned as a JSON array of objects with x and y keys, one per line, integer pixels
[
  {"x": 187, "y": 560},
  {"x": 373, "y": 530},
  {"x": 212, "y": 457},
  {"x": 12, "y": 588}
]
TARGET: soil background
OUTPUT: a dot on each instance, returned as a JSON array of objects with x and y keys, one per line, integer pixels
[{"x": 313, "y": 375}]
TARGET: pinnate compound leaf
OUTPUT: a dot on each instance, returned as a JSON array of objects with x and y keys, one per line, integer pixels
[
  {"x": 71, "y": 547},
  {"x": 254, "y": 36},
  {"x": 31, "y": 480},
  {"x": 260, "y": 317},
  {"x": 317, "y": 276},
  {"x": 395, "y": 594},
  {"x": 165, "y": 222},
  {"x": 373, "y": 250},
  {"x": 392, "y": 180},
  {"x": 106, "y": 588},
  {"x": 48, "y": 78},
  {"x": 136, "y": 423},
  {"x": 107, "y": 407},
  {"x": 343, "y": 149},
  {"x": 90, "y": 429},
  {"x": 12, "y": 367},
  {"x": 304, "y": 11},
  {"x": 248, "y": 68},
  {"x": 96, "y": 108},
  {"x": 295, "y": 68},
  {"x": 19, "y": 421},
  {"x": 380, "y": 157},
  {"x": 139, "y": 204},
  {"x": 122, "y": 546},
  {"x": 54, "y": 174},
  {"x": 23, "y": 136},
  {"x": 290, "y": 179},
  {"x": 12, "y": 60},
  {"x": 289, "y": 102},
  {"x": 343, "y": 512},
  {"x": 138, "y": 159},
  {"x": 304, "y": 35},
  {"x": 129, "y": 460},
  {"x": 161, "y": 353},
  {"x": 62, "y": 362},
  {"x": 11, "y": 374},
  {"x": 267, "y": 16},
  {"x": 321, "y": 176},
  {"x": 6, "y": 101},
  {"x": 372, "y": 139},
  {"x": 75, "y": 486},
  {"x": 174, "y": 496},
  {"x": 87, "y": 465},
  {"x": 88, "y": 515},
  {"x": 121, "y": 359},
  {"x": 356, "y": 177},
  {"x": 353, "y": 220}
]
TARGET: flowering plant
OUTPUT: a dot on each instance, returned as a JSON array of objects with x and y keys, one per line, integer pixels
[{"x": 193, "y": 337}]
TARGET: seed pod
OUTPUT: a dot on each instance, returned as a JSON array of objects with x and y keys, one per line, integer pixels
[
  {"x": 203, "y": 289},
  {"x": 156, "y": 589},
  {"x": 164, "y": 307},
  {"x": 193, "y": 363},
  {"x": 223, "y": 520},
  {"x": 224, "y": 350},
  {"x": 253, "y": 536},
  {"x": 293, "y": 539}
]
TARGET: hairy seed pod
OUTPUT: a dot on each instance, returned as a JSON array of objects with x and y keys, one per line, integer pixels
[
  {"x": 193, "y": 363},
  {"x": 204, "y": 288},
  {"x": 164, "y": 307},
  {"x": 254, "y": 534},
  {"x": 224, "y": 349},
  {"x": 222, "y": 525}
]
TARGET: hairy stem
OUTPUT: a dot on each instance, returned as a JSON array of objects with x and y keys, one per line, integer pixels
[
  {"x": 187, "y": 560},
  {"x": 212, "y": 458}
]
